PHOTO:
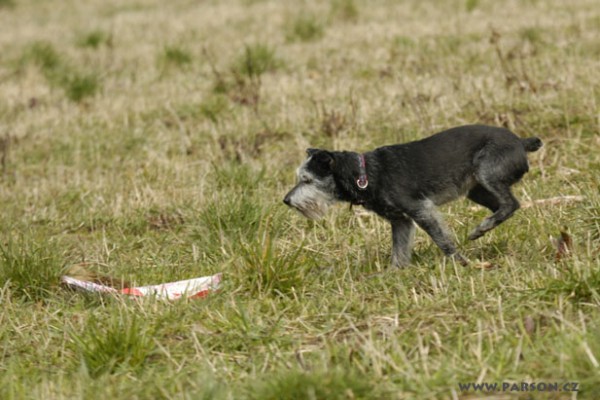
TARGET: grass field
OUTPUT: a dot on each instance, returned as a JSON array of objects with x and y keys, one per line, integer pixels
[{"x": 155, "y": 140}]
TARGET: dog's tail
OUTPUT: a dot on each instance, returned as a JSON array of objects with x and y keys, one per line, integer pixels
[{"x": 531, "y": 144}]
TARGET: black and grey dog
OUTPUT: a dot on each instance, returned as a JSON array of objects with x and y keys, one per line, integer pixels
[{"x": 405, "y": 182}]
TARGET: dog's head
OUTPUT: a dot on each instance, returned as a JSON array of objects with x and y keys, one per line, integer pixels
[{"x": 315, "y": 188}]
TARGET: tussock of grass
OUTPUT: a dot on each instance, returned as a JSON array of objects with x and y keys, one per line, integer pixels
[
  {"x": 116, "y": 343},
  {"x": 58, "y": 72},
  {"x": 175, "y": 56},
  {"x": 532, "y": 35},
  {"x": 79, "y": 86},
  {"x": 305, "y": 27},
  {"x": 256, "y": 60},
  {"x": 574, "y": 285},
  {"x": 214, "y": 107},
  {"x": 95, "y": 39},
  {"x": 243, "y": 80},
  {"x": 44, "y": 55},
  {"x": 30, "y": 270},
  {"x": 471, "y": 5},
  {"x": 345, "y": 10},
  {"x": 263, "y": 269},
  {"x": 234, "y": 219}
]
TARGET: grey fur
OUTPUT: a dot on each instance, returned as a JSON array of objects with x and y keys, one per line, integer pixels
[
  {"x": 403, "y": 233},
  {"x": 311, "y": 196}
]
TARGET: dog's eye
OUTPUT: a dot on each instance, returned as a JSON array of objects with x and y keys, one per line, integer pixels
[{"x": 306, "y": 180}]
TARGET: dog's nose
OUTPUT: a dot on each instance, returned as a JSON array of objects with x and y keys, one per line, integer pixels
[{"x": 286, "y": 200}]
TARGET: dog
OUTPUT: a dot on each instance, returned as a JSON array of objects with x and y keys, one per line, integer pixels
[{"x": 404, "y": 183}]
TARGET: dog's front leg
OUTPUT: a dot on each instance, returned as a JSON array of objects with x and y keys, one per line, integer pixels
[
  {"x": 431, "y": 222},
  {"x": 403, "y": 231}
]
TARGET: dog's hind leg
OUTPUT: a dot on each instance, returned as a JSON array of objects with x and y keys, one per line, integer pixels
[
  {"x": 483, "y": 197},
  {"x": 431, "y": 222},
  {"x": 508, "y": 204},
  {"x": 403, "y": 231},
  {"x": 497, "y": 170}
]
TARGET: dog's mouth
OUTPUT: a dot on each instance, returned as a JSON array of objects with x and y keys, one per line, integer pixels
[
  {"x": 311, "y": 212},
  {"x": 309, "y": 201}
]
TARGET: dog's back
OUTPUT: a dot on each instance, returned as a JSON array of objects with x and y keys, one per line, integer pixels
[{"x": 445, "y": 164}]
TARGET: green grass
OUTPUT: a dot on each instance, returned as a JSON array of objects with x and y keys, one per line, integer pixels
[
  {"x": 113, "y": 344},
  {"x": 44, "y": 55},
  {"x": 59, "y": 72},
  {"x": 176, "y": 56},
  {"x": 79, "y": 86},
  {"x": 345, "y": 10},
  {"x": 338, "y": 383},
  {"x": 29, "y": 271},
  {"x": 471, "y": 5},
  {"x": 265, "y": 270},
  {"x": 155, "y": 142},
  {"x": 305, "y": 28},
  {"x": 214, "y": 107},
  {"x": 256, "y": 60},
  {"x": 95, "y": 39},
  {"x": 6, "y": 4}
]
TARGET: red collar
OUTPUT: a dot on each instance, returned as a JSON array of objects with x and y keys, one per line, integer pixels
[{"x": 363, "y": 181}]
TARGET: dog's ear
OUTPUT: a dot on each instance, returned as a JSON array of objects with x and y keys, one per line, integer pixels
[
  {"x": 310, "y": 152},
  {"x": 324, "y": 158}
]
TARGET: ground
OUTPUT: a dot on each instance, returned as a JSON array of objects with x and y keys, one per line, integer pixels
[{"x": 154, "y": 141}]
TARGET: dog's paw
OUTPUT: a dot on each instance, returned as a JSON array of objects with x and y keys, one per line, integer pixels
[
  {"x": 460, "y": 259},
  {"x": 400, "y": 264}
]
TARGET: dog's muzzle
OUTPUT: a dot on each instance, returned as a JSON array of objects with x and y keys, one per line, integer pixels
[{"x": 310, "y": 207}]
